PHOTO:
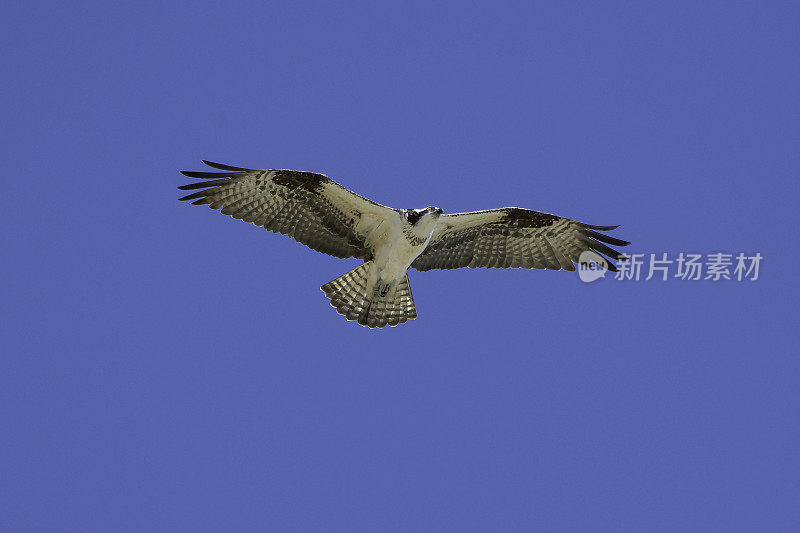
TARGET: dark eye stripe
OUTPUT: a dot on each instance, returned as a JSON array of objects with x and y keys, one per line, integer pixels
[{"x": 413, "y": 217}]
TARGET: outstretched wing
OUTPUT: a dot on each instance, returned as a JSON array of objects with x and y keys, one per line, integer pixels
[
  {"x": 513, "y": 238},
  {"x": 311, "y": 208}
]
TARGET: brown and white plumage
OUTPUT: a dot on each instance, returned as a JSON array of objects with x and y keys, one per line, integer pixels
[
  {"x": 512, "y": 237},
  {"x": 318, "y": 212},
  {"x": 309, "y": 207}
]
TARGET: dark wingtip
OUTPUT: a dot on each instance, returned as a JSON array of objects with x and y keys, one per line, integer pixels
[
  {"x": 192, "y": 186},
  {"x": 599, "y": 242},
  {"x": 208, "y": 175},
  {"x": 196, "y": 174},
  {"x": 192, "y": 196},
  {"x": 205, "y": 184},
  {"x": 602, "y": 237},
  {"x": 599, "y": 228},
  {"x": 222, "y": 166}
]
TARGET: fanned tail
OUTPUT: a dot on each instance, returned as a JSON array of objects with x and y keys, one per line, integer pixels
[{"x": 352, "y": 297}]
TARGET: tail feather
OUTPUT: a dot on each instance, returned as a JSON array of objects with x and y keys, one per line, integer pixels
[{"x": 352, "y": 297}]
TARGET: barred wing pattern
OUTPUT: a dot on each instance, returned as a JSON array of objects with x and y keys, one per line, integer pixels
[
  {"x": 512, "y": 237},
  {"x": 311, "y": 208}
]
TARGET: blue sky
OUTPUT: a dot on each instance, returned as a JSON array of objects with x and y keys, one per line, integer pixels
[{"x": 167, "y": 367}]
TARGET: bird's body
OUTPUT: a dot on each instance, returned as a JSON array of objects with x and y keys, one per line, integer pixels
[
  {"x": 397, "y": 242},
  {"x": 320, "y": 213}
]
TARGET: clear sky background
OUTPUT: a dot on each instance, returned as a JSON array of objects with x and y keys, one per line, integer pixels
[{"x": 169, "y": 368}]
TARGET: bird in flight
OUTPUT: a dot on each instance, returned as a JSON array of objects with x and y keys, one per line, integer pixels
[{"x": 318, "y": 212}]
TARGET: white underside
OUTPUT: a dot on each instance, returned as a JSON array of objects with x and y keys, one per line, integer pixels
[{"x": 394, "y": 253}]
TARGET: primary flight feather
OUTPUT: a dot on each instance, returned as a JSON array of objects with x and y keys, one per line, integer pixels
[{"x": 318, "y": 212}]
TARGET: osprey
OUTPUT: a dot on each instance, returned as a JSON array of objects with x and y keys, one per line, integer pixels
[{"x": 318, "y": 212}]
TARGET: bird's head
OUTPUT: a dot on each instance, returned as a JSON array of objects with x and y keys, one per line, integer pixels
[
  {"x": 421, "y": 222},
  {"x": 416, "y": 217}
]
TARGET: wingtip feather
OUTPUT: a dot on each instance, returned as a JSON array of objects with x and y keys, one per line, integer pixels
[
  {"x": 599, "y": 228},
  {"x": 222, "y": 166},
  {"x": 200, "y": 194},
  {"x": 602, "y": 237}
]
